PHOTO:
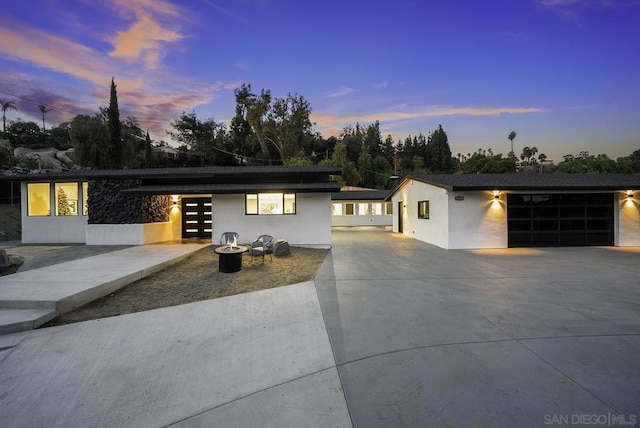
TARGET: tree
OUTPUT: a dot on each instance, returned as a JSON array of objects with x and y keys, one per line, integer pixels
[
  {"x": 6, "y": 105},
  {"x": 480, "y": 163},
  {"x": 512, "y": 136},
  {"x": 44, "y": 109},
  {"x": 288, "y": 125},
  {"x": 339, "y": 159},
  {"x": 195, "y": 134},
  {"x": 438, "y": 153},
  {"x": 25, "y": 134},
  {"x": 114, "y": 147},
  {"x": 586, "y": 163},
  {"x": 256, "y": 109},
  {"x": 89, "y": 138},
  {"x": 59, "y": 136}
]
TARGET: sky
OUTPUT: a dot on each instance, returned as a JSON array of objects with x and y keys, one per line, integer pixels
[{"x": 563, "y": 74}]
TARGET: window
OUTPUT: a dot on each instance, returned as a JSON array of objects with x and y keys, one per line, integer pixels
[
  {"x": 349, "y": 209},
  {"x": 389, "y": 208},
  {"x": 85, "y": 198},
  {"x": 423, "y": 209},
  {"x": 376, "y": 209},
  {"x": 66, "y": 199},
  {"x": 38, "y": 199},
  {"x": 337, "y": 209},
  {"x": 270, "y": 203},
  {"x": 363, "y": 209}
]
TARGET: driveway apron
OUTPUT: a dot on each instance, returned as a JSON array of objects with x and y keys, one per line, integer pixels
[{"x": 512, "y": 337}]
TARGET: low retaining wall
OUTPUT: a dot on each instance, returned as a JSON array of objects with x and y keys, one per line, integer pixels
[{"x": 128, "y": 234}]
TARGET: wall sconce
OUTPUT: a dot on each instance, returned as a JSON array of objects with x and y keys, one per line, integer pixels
[
  {"x": 496, "y": 194},
  {"x": 174, "y": 203},
  {"x": 404, "y": 206},
  {"x": 630, "y": 194}
]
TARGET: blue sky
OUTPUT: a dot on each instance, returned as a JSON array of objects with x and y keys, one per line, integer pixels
[{"x": 563, "y": 74}]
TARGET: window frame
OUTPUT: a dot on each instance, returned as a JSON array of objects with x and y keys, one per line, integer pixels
[
  {"x": 75, "y": 209},
  {"x": 423, "y": 210},
  {"x": 48, "y": 200},
  {"x": 283, "y": 197}
]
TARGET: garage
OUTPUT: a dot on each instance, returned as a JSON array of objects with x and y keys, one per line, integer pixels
[
  {"x": 575, "y": 219},
  {"x": 475, "y": 211}
]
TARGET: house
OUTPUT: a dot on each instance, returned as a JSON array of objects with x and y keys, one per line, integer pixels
[
  {"x": 356, "y": 206},
  {"x": 519, "y": 210},
  {"x": 135, "y": 207}
]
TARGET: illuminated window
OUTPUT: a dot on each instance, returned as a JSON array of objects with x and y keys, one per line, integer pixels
[
  {"x": 349, "y": 209},
  {"x": 289, "y": 203},
  {"x": 363, "y": 209},
  {"x": 85, "y": 198},
  {"x": 270, "y": 203},
  {"x": 423, "y": 209},
  {"x": 38, "y": 199},
  {"x": 337, "y": 209},
  {"x": 389, "y": 209},
  {"x": 376, "y": 209},
  {"x": 66, "y": 199}
]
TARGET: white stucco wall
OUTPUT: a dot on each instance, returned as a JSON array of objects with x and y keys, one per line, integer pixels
[
  {"x": 309, "y": 227},
  {"x": 434, "y": 230},
  {"x": 360, "y": 220},
  {"x": 628, "y": 230},
  {"x": 477, "y": 221},
  {"x": 51, "y": 229},
  {"x": 128, "y": 234}
]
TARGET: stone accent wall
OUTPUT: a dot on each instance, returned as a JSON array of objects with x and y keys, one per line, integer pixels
[{"x": 108, "y": 206}]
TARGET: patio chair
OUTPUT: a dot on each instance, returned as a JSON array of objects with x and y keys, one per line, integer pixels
[
  {"x": 228, "y": 237},
  {"x": 261, "y": 246}
]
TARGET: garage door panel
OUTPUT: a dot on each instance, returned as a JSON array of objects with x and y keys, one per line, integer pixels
[{"x": 560, "y": 219}]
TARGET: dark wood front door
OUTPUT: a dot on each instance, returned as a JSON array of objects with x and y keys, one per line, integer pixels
[
  {"x": 400, "y": 211},
  {"x": 196, "y": 218}
]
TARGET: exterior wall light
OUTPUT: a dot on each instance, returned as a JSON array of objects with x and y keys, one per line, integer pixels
[
  {"x": 630, "y": 194},
  {"x": 496, "y": 194}
]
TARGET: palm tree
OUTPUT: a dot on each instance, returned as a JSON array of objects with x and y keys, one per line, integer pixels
[
  {"x": 542, "y": 157},
  {"x": 512, "y": 136},
  {"x": 6, "y": 106},
  {"x": 44, "y": 109}
]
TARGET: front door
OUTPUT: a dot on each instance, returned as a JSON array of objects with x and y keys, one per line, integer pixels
[
  {"x": 196, "y": 218},
  {"x": 400, "y": 211}
]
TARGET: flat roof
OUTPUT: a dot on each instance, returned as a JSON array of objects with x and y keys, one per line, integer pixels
[
  {"x": 528, "y": 181},
  {"x": 360, "y": 195}
]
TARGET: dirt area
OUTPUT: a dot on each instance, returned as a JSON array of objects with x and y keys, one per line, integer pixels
[
  {"x": 10, "y": 223},
  {"x": 197, "y": 278}
]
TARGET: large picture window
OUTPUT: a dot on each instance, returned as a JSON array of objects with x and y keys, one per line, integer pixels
[
  {"x": 337, "y": 209},
  {"x": 38, "y": 199},
  {"x": 423, "y": 209},
  {"x": 270, "y": 203},
  {"x": 66, "y": 199}
]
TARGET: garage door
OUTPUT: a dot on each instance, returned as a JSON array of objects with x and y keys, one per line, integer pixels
[{"x": 560, "y": 219}]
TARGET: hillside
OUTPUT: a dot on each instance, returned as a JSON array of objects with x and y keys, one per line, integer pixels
[{"x": 10, "y": 228}]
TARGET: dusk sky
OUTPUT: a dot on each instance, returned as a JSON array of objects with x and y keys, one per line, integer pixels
[{"x": 563, "y": 74}]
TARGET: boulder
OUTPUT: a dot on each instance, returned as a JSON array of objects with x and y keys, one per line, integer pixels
[{"x": 281, "y": 248}]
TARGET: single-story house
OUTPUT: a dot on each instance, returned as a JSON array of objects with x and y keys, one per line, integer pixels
[
  {"x": 519, "y": 210},
  {"x": 355, "y": 206},
  {"x": 135, "y": 207}
]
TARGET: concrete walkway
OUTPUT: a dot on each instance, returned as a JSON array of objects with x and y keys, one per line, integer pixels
[
  {"x": 392, "y": 333},
  {"x": 58, "y": 279}
]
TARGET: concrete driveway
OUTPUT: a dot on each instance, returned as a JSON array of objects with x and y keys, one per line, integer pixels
[{"x": 484, "y": 338}]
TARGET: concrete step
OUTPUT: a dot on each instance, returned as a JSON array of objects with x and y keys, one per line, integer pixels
[{"x": 14, "y": 320}]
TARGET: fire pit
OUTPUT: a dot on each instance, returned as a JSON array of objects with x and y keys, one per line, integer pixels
[{"x": 230, "y": 258}]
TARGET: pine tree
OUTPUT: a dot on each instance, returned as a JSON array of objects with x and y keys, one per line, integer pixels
[
  {"x": 438, "y": 153},
  {"x": 114, "y": 150}
]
